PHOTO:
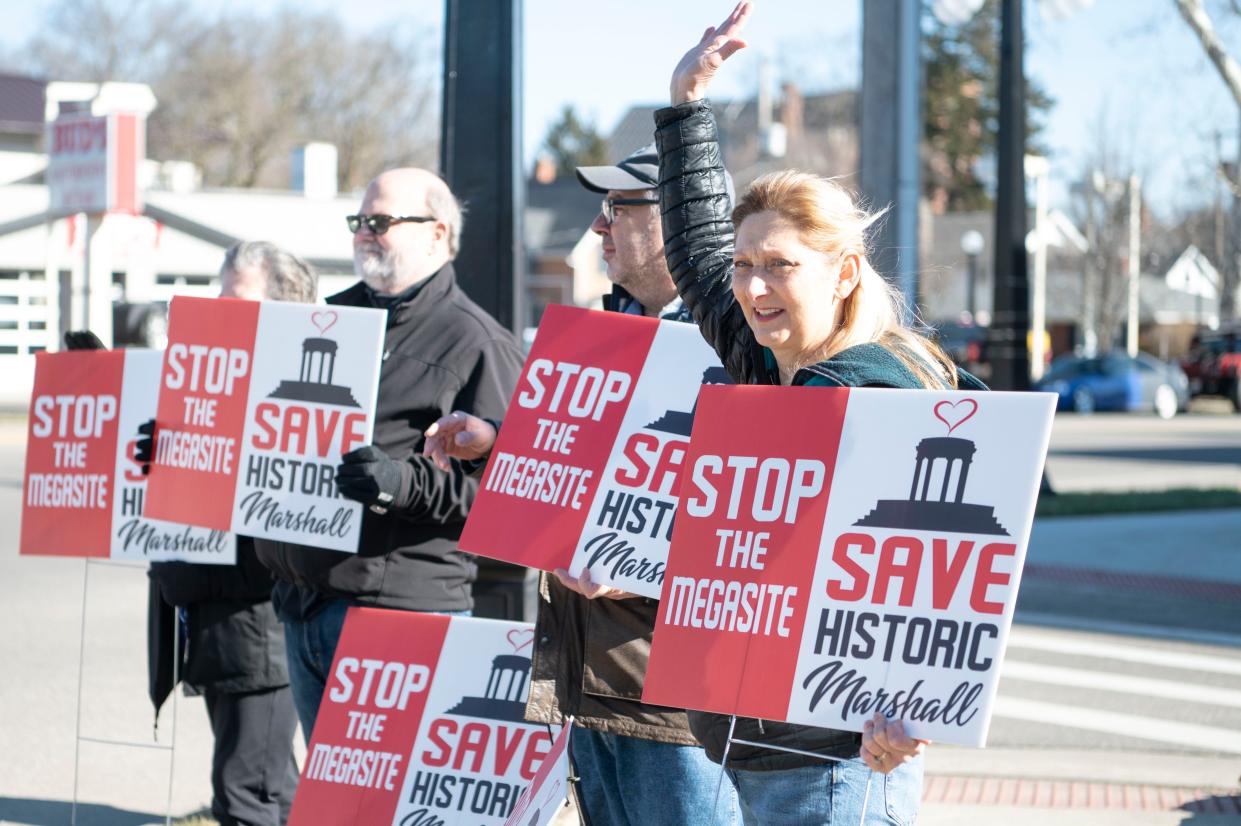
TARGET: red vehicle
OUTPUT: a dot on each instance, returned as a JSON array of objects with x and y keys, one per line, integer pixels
[{"x": 1213, "y": 364}]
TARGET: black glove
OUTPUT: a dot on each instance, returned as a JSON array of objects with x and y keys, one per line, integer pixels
[
  {"x": 82, "y": 340},
  {"x": 144, "y": 450},
  {"x": 370, "y": 476}
]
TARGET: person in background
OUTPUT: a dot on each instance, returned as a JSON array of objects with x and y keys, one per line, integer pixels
[
  {"x": 232, "y": 647},
  {"x": 637, "y": 763},
  {"x": 441, "y": 352}
]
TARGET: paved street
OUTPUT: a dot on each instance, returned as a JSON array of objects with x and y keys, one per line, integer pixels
[
  {"x": 1120, "y": 451},
  {"x": 1120, "y": 700}
]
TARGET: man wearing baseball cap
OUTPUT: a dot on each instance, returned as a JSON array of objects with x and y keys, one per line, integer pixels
[{"x": 637, "y": 763}]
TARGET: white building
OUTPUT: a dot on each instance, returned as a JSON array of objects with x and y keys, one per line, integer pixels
[{"x": 174, "y": 245}]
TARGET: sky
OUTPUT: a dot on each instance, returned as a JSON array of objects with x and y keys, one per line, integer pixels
[{"x": 1125, "y": 72}]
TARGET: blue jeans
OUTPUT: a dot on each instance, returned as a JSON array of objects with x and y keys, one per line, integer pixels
[
  {"x": 626, "y": 780},
  {"x": 311, "y": 646},
  {"x": 831, "y": 793}
]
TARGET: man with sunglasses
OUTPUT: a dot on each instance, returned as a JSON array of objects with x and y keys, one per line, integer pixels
[{"x": 442, "y": 352}]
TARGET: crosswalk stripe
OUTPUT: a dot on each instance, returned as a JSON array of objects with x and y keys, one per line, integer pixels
[
  {"x": 1025, "y": 637},
  {"x": 1144, "y": 686},
  {"x": 1209, "y": 738}
]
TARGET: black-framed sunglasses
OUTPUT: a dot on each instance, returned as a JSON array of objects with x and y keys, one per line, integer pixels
[
  {"x": 379, "y": 222},
  {"x": 609, "y": 205}
]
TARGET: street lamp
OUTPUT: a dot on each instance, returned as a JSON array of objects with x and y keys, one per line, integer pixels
[{"x": 972, "y": 244}]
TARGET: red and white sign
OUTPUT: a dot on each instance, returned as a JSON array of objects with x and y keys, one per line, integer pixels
[
  {"x": 84, "y": 491},
  {"x": 92, "y": 163},
  {"x": 540, "y": 803},
  {"x": 585, "y": 471},
  {"x": 258, "y": 401},
  {"x": 422, "y": 722},
  {"x": 859, "y": 550}
]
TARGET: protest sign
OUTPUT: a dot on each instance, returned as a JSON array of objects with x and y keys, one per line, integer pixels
[
  {"x": 859, "y": 551},
  {"x": 258, "y": 401},
  {"x": 84, "y": 491},
  {"x": 540, "y": 802},
  {"x": 584, "y": 474},
  {"x": 422, "y": 723}
]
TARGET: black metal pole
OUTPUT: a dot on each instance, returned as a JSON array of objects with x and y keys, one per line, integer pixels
[
  {"x": 971, "y": 304},
  {"x": 480, "y": 150},
  {"x": 480, "y": 157},
  {"x": 1010, "y": 317}
]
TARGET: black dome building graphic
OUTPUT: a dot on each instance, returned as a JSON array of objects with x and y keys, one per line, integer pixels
[
  {"x": 314, "y": 383},
  {"x": 942, "y": 510},
  {"x": 504, "y": 698},
  {"x": 680, "y": 422}
]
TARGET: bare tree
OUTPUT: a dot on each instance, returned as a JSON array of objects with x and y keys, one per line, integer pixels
[
  {"x": 1101, "y": 206},
  {"x": 1200, "y": 21},
  {"x": 97, "y": 40},
  {"x": 238, "y": 92}
]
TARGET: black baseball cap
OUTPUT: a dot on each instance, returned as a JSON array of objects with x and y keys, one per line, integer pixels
[{"x": 638, "y": 171}]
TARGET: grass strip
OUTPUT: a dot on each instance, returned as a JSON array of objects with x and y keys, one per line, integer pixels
[{"x": 1137, "y": 501}]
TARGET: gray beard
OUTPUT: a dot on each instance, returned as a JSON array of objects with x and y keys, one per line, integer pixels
[{"x": 380, "y": 269}]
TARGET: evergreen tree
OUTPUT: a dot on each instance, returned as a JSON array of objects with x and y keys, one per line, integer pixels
[
  {"x": 573, "y": 142},
  {"x": 962, "y": 108}
]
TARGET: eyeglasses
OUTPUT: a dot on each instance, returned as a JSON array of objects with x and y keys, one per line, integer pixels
[
  {"x": 379, "y": 223},
  {"x": 610, "y": 204}
]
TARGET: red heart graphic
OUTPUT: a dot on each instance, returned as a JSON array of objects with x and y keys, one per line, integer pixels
[
  {"x": 955, "y": 419},
  {"x": 519, "y": 638},
  {"x": 323, "y": 320}
]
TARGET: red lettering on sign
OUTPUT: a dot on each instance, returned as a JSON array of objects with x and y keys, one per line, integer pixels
[
  {"x": 986, "y": 576},
  {"x": 944, "y": 577},
  {"x": 289, "y": 428},
  {"x": 468, "y": 747}
]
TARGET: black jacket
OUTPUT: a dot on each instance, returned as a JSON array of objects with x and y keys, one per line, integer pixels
[
  {"x": 232, "y": 643},
  {"x": 442, "y": 352},
  {"x": 590, "y": 655},
  {"x": 698, "y": 243}
]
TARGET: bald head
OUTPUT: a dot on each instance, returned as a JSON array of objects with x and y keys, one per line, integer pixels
[{"x": 408, "y": 252}]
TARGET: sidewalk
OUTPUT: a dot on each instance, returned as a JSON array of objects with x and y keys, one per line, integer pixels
[
  {"x": 1024, "y": 787},
  {"x": 1103, "y": 573}
]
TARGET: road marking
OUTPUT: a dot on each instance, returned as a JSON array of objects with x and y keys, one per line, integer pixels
[
  {"x": 1144, "y": 686},
  {"x": 1206, "y": 738},
  {"x": 1025, "y": 637}
]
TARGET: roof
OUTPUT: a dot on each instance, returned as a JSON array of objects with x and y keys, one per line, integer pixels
[
  {"x": 557, "y": 214},
  {"x": 635, "y": 129},
  {"x": 314, "y": 228},
  {"x": 826, "y": 144},
  {"x": 21, "y": 104}
]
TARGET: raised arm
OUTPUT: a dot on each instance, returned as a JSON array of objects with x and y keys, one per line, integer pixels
[{"x": 697, "y": 224}]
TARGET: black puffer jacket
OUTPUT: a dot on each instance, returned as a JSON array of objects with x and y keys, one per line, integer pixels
[
  {"x": 698, "y": 243},
  {"x": 442, "y": 352}
]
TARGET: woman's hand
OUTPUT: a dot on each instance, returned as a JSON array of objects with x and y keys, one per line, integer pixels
[
  {"x": 885, "y": 745},
  {"x": 693, "y": 74},
  {"x": 458, "y": 436},
  {"x": 586, "y": 587}
]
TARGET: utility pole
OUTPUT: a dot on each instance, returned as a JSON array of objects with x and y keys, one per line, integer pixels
[
  {"x": 891, "y": 117},
  {"x": 1090, "y": 277},
  {"x": 1037, "y": 168},
  {"x": 1135, "y": 261},
  {"x": 1010, "y": 320}
]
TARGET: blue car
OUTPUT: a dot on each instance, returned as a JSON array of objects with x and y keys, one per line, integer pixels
[{"x": 1118, "y": 382}]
